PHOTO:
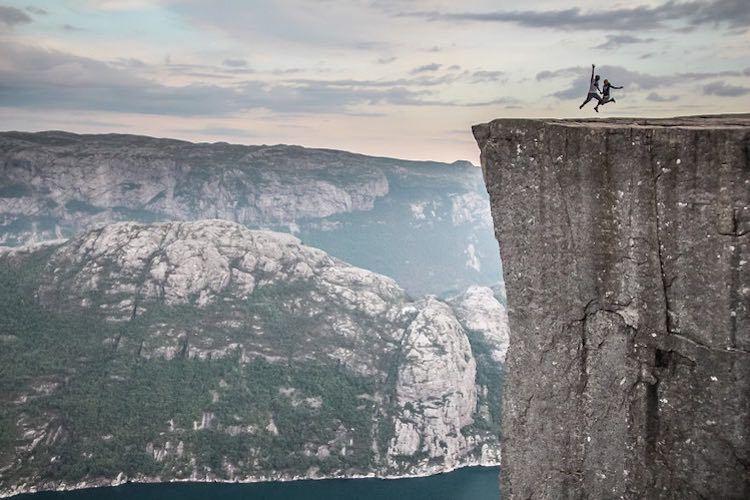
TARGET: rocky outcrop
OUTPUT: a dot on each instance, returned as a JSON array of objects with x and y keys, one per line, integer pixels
[
  {"x": 66, "y": 182},
  {"x": 425, "y": 224},
  {"x": 432, "y": 409},
  {"x": 625, "y": 245},
  {"x": 216, "y": 352},
  {"x": 480, "y": 312}
]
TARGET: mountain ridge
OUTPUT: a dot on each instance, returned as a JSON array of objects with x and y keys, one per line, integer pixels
[
  {"x": 20, "y": 134},
  {"x": 229, "y": 353},
  {"x": 356, "y": 207}
]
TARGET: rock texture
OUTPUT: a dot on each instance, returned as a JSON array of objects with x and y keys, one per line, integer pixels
[
  {"x": 75, "y": 181},
  {"x": 432, "y": 409},
  {"x": 479, "y": 311},
  {"x": 625, "y": 245},
  {"x": 286, "y": 362},
  {"x": 426, "y": 224}
]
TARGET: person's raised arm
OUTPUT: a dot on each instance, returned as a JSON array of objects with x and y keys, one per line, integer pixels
[{"x": 592, "y": 72}]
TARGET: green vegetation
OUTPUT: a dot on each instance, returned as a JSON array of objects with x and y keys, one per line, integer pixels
[
  {"x": 490, "y": 375},
  {"x": 109, "y": 406}
]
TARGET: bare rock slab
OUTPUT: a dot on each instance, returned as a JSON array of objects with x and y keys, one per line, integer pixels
[{"x": 625, "y": 245}]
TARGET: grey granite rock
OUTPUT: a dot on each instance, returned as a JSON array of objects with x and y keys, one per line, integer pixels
[
  {"x": 426, "y": 224},
  {"x": 186, "y": 295},
  {"x": 625, "y": 245}
]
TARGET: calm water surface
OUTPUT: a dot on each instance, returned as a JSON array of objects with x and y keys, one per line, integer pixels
[{"x": 471, "y": 483}]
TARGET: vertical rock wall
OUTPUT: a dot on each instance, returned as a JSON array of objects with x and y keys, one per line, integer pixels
[{"x": 625, "y": 246}]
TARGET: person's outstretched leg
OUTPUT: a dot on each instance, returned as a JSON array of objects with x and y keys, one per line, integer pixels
[
  {"x": 588, "y": 98},
  {"x": 602, "y": 102}
]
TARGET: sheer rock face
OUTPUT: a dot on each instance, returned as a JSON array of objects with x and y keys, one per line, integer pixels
[
  {"x": 73, "y": 182},
  {"x": 625, "y": 246},
  {"x": 436, "y": 391},
  {"x": 198, "y": 264},
  {"x": 124, "y": 269},
  {"x": 182, "y": 293},
  {"x": 479, "y": 311},
  {"x": 431, "y": 218}
]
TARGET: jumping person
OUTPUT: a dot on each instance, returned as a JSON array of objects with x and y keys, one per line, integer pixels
[
  {"x": 593, "y": 90},
  {"x": 605, "y": 94}
]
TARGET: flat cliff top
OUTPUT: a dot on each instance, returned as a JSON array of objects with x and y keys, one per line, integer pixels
[{"x": 727, "y": 121}]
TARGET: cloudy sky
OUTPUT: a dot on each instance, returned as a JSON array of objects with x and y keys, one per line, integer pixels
[{"x": 401, "y": 78}]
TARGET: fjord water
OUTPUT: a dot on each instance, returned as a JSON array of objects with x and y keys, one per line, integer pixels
[{"x": 470, "y": 483}]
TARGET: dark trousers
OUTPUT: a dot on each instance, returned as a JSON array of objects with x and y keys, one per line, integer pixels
[{"x": 592, "y": 95}]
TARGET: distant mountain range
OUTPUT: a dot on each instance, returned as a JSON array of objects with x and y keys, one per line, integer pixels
[
  {"x": 425, "y": 224},
  {"x": 165, "y": 315}
]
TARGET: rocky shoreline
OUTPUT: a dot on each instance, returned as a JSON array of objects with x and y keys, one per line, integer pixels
[{"x": 122, "y": 479}]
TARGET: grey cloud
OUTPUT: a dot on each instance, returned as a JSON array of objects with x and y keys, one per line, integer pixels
[
  {"x": 707, "y": 75},
  {"x": 547, "y": 74},
  {"x": 36, "y": 10},
  {"x": 616, "y": 41},
  {"x": 234, "y": 63},
  {"x": 426, "y": 68},
  {"x": 418, "y": 81},
  {"x": 207, "y": 71},
  {"x": 34, "y": 75},
  {"x": 129, "y": 62},
  {"x": 488, "y": 76},
  {"x": 725, "y": 90},
  {"x": 618, "y": 75},
  {"x": 386, "y": 60},
  {"x": 287, "y": 71},
  {"x": 746, "y": 72},
  {"x": 633, "y": 80},
  {"x": 509, "y": 102},
  {"x": 299, "y": 23},
  {"x": 70, "y": 27},
  {"x": 654, "y": 97},
  {"x": 733, "y": 13},
  {"x": 11, "y": 16},
  {"x": 368, "y": 45}
]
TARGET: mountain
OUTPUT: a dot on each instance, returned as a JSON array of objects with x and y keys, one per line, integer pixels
[
  {"x": 208, "y": 351},
  {"x": 425, "y": 224}
]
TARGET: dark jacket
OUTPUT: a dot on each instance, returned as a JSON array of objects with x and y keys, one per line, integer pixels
[{"x": 607, "y": 86}]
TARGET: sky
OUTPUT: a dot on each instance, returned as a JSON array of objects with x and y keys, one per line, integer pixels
[{"x": 401, "y": 78}]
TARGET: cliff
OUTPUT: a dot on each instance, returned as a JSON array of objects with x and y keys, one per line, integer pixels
[
  {"x": 425, "y": 224},
  {"x": 625, "y": 245},
  {"x": 207, "y": 351}
]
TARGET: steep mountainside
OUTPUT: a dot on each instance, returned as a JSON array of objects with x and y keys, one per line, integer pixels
[
  {"x": 205, "y": 350},
  {"x": 626, "y": 246},
  {"x": 426, "y": 224}
]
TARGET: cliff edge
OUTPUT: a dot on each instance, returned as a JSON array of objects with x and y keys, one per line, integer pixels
[{"x": 625, "y": 246}]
